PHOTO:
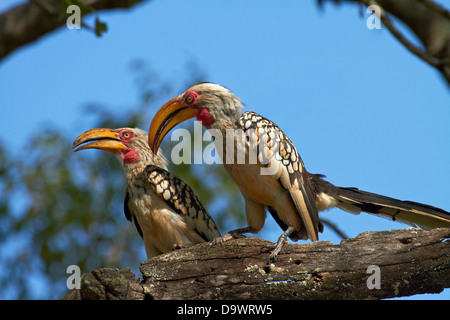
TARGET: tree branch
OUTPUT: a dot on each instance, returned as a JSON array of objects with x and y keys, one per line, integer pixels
[
  {"x": 30, "y": 21},
  {"x": 429, "y": 21},
  {"x": 411, "y": 261}
]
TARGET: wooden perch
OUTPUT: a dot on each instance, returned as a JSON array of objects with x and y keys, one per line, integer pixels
[{"x": 410, "y": 261}]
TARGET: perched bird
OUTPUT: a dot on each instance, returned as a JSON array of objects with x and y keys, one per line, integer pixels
[
  {"x": 277, "y": 180},
  {"x": 164, "y": 209}
]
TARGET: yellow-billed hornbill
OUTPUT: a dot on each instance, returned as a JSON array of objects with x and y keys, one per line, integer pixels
[
  {"x": 291, "y": 194},
  {"x": 165, "y": 210}
]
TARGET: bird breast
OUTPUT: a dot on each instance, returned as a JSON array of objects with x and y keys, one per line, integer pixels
[
  {"x": 245, "y": 168},
  {"x": 161, "y": 226}
]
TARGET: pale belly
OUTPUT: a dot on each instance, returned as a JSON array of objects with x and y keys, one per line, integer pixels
[
  {"x": 161, "y": 226},
  {"x": 264, "y": 189},
  {"x": 267, "y": 191}
]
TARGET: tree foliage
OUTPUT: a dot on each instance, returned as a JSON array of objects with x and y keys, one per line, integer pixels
[{"x": 59, "y": 208}]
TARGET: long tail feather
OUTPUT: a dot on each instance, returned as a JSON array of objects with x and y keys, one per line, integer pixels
[
  {"x": 354, "y": 200},
  {"x": 412, "y": 213}
]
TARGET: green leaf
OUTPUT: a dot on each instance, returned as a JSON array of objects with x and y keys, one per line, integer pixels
[{"x": 100, "y": 27}]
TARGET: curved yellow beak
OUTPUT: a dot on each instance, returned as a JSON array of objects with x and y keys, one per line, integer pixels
[
  {"x": 100, "y": 138},
  {"x": 172, "y": 113}
]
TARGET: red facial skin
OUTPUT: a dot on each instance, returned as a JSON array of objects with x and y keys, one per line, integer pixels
[
  {"x": 203, "y": 114},
  {"x": 205, "y": 117},
  {"x": 128, "y": 155}
]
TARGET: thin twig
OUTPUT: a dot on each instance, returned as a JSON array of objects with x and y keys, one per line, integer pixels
[
  {"x": 436, "y": 7},
  {"x": 335, "y": 228},
  {"x": 417, "y": 51}
]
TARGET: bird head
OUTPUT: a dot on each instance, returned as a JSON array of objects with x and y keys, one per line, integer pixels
[
  {"x": 213, "y": 105},
  {"x": 129, "y": 144}
]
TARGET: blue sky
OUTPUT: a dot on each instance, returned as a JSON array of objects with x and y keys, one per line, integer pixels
[{"x": 359, "y": 107}]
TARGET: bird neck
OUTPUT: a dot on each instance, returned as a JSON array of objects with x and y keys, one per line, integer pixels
[
  {"x": 135, "y": 163},
  {"x": 221, "y": 113},
  {"x": 133, "y": 169},
  {"x": 205, "y": 117}
]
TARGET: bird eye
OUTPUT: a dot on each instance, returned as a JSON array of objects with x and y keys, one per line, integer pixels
[
  {"x": 126, "y": 134},
  {"x": 190, "y": 97}
]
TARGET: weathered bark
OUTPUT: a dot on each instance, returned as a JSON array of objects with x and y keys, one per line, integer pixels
[
  {"x": 411, "y": 261},
  {"x": 108, "y": 284},
  {"x": 30, "y": 21}
]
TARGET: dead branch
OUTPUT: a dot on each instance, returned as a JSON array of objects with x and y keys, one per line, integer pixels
[
  {"x": 29, "y": 21},
  {"x": 410, "y": 261},
  {"x": 430, "y": 23}
]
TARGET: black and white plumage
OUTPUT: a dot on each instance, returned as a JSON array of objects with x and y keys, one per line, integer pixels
[
  {"x": 164, "y": 209},
  {"x": 277, "y": 180}
]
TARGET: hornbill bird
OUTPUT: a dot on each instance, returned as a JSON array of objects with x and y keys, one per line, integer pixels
[
  {"x": 277, "y": 180},
  {"x": 166, "y": 212}
]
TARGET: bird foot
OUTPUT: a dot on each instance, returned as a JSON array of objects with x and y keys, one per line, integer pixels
[
  {"x": 225, "y": 238},
  {"x": 178, "y": 246},
  {"x": 273, "y": 255},
  {"x": 233, "y": 234},
  {"x": 282, "y": 240},
  {"x": 221, "y": 240}
]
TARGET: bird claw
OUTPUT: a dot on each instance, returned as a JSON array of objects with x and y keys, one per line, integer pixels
[
  {"x": 229, "y": 236},
  {"x": 221, "y": 240},
  {"x": 178, "y": 246},
  {"x": 273, "y": 255},
  {"x": 272, "y": 259}
]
